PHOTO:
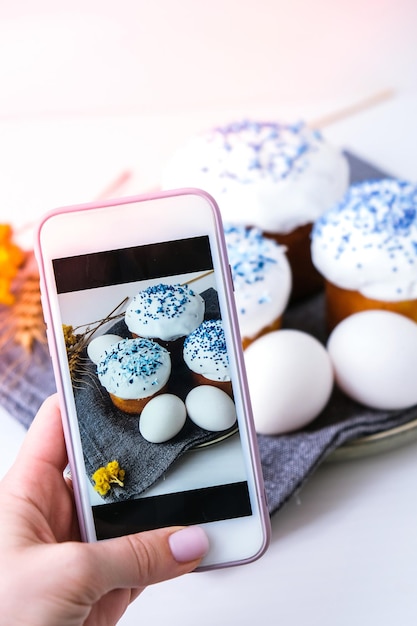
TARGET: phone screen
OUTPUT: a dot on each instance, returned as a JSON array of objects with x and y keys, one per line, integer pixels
[{"x": 198, "y": 474}]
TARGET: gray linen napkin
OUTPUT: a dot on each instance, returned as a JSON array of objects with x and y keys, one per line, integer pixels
[
  {"x": 287, "y": 460},
  {"x": 25, "y": 380}
]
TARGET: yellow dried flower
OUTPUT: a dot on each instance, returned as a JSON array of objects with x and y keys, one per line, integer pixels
[
  {"x": 105, "y": 476},
  {"x": 71, "y": 339}
]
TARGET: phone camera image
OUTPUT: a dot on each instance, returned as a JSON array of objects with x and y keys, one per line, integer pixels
[{"x": 149, "y": 368}]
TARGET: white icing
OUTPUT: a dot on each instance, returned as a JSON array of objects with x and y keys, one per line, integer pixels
[
  {"x": 165, "y": 312},
  {"x": 261, "y": 277},
  {"x": 368, "y": 242},
  {"x": 134, "y": 368},
  {"x": 274, "y": 176},
  {"x": 205, "y": 351}
]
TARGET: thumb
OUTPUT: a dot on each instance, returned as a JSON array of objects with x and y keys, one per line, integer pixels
[{"x": 135, "y": 561}]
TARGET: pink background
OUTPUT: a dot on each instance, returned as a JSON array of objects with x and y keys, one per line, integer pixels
[{"x": 145, "y": 57}]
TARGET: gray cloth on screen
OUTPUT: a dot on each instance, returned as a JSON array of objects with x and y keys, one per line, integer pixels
[
  {"x": 287, "y": 460},
  {"x": 108, "y": 433}
]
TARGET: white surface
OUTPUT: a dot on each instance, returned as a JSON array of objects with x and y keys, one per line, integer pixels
[
  {"x": 92, "y": 91},
  {"x": 343, "y": 553}
]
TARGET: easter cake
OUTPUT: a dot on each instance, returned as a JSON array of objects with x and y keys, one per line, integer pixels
[
  {"x": 366, "y": 249},
  {"x": 278, "y": 177},
  {"x": 261, "y": 279}
]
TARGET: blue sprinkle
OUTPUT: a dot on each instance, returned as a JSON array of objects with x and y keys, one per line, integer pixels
[
  {"x": 384, "y": 208},
  {"x": 162, "y": 300},
  {"x": 269, "y": 149},
  {"x": 209, "y": 337},
  {"x": 137, "y": 358},
  {"x": 249, "y": 254}
]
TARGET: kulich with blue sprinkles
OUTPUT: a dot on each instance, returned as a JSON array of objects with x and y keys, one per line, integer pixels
[
  {"x": 367, "y": 244},
  {"x": 262, "y": 280},
  {"x": 165, "y": 311},
  {"x": 278, "y": 177},
  {"x": 272, "y": 175},
  {"x": 205, "y": 351},
  {"x": 133, "y": 371}
]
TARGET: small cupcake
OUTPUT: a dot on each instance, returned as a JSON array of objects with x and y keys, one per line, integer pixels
[
  {"x": 366, "y": 248},
  {"x": 262, "y": 281},
  {"x": 165, "y": 313},
  {"x": 205, "y": 354},
  {"x": 277, "y": 177},
  {"x": 133, "y": 371}
]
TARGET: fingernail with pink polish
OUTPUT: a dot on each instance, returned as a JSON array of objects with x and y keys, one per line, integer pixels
[{"x": 189, "y": 544}]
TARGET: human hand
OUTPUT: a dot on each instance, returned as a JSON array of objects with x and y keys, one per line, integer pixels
[{"x": 47, "y": 575}]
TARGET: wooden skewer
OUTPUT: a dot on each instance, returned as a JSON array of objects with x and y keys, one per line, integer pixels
[
  {"x": 193, "y": 280},
  {"x": 352, "y": 109},
  {"x": 112, "y": 315}
]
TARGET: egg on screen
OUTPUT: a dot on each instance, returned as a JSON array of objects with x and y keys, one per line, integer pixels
[
  {"x": 290, "y": 380},
  {"x": 210, "y": 408},
  {"x": 98, "y": 346},
  {"x": 374, "y": 355},
  {"x": 162, "y": 418}
]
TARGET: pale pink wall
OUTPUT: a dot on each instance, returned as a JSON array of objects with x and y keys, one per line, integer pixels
[{"x": 144, "y": 56}]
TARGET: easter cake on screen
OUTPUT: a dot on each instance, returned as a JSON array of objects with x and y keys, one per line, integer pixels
[
  {"x": 133, "y": 371},
  {"x": 205, "y": 354},
  {"x": 165, "y": 312}
]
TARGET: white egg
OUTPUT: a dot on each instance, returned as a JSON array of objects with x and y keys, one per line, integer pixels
[
  {"x": 98, "y": 346},
  {"x": 374, "y": 355},
  {"x": 162, "y": 418},
  {"x": 210, "y": 408},
  {"x": 290, "y": 380}
]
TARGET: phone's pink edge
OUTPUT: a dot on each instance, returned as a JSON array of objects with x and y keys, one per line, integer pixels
[
  {"x": 152, "y": 195},
  {"x": 259, "y": 484}
]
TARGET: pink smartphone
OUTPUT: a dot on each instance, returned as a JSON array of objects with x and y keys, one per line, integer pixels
[{"x": 143, "y": 334}]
